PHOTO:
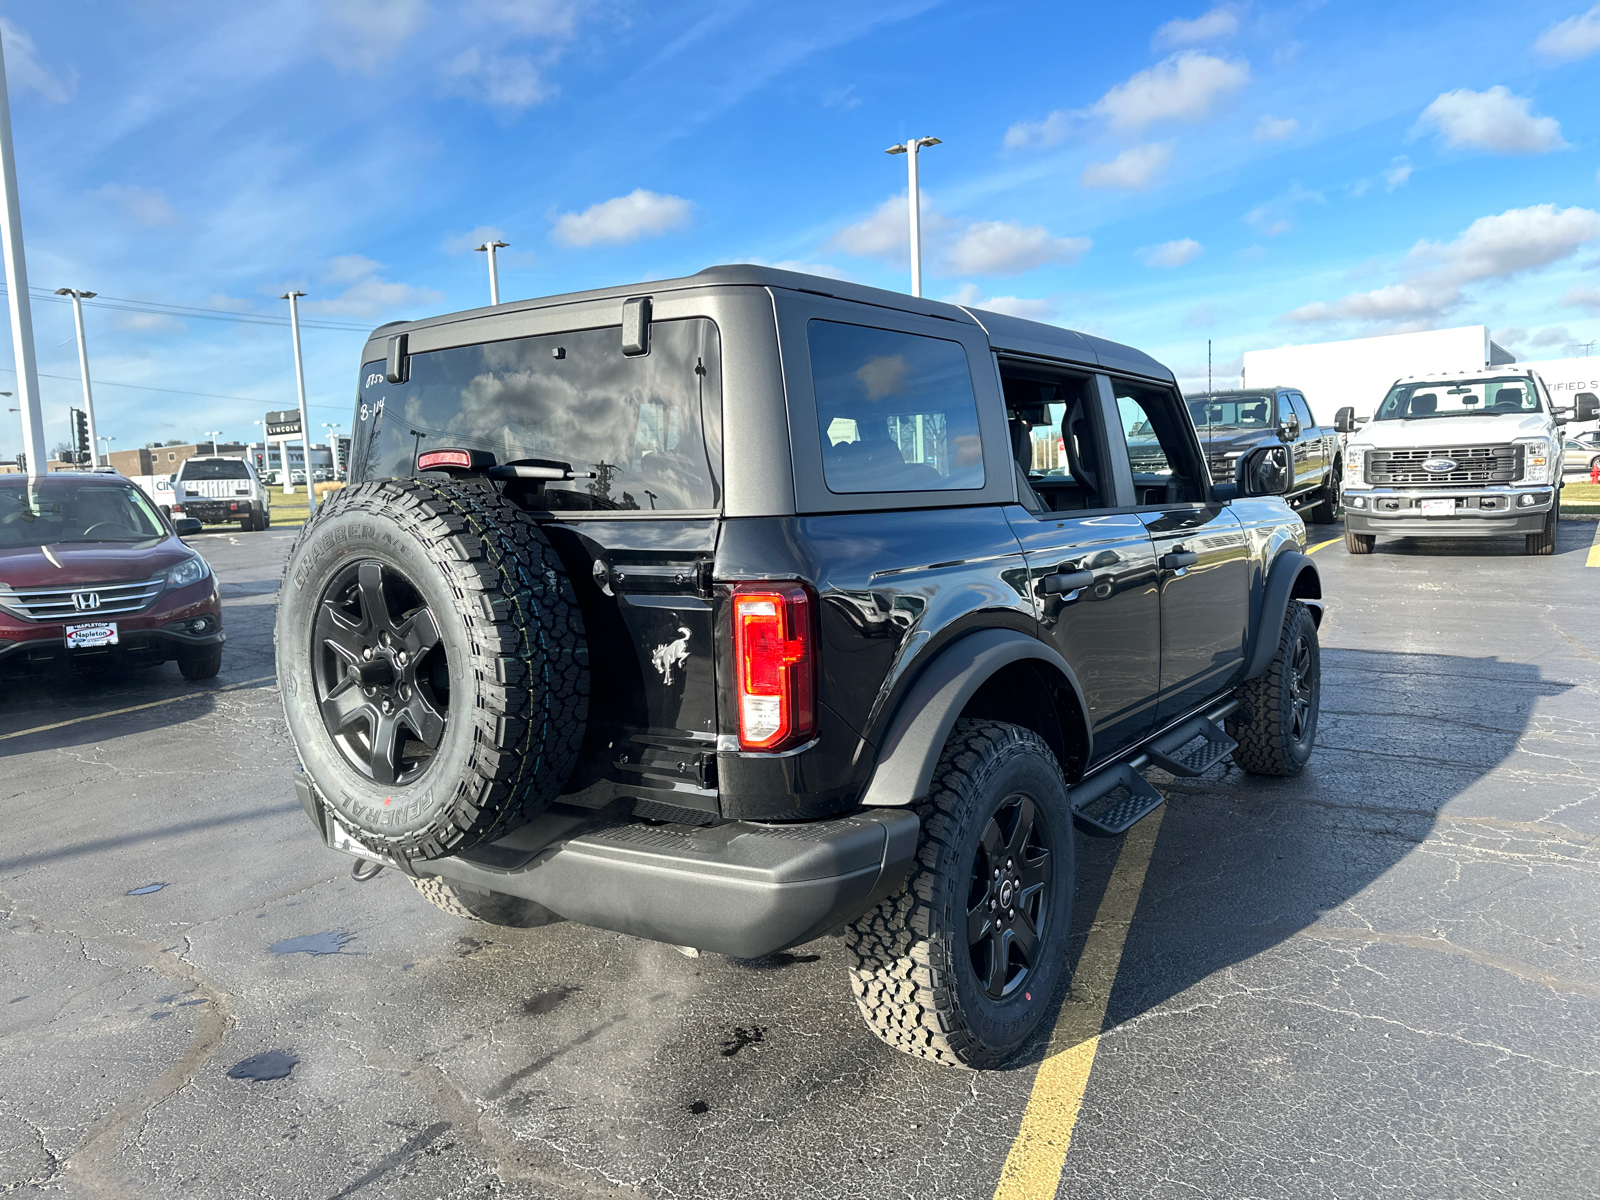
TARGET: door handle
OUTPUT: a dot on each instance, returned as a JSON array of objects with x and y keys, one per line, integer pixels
[
  {"x": 1178, "y": 558},
  {"x": 1062, "y": 582}
]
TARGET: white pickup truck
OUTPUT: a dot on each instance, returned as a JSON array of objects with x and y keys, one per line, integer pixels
[
  {"x": 1476, "y": 454},
  {"x": 220, "y": 489}
]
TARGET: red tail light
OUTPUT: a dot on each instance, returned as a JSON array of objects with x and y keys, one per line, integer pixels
[
  {"x": 434, "y": 459},
  {"x": 775, "y": 658}
]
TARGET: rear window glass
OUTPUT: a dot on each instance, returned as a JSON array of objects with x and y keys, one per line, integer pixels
[
  {"x": 896, "y": 410},
  {"x": 213, "y": 468},
  {"x": 642, "y": 432}
]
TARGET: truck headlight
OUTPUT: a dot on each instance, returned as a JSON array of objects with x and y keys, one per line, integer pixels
[
  {"x": 1355, "y": 462},
  {"x": 190, "y": 570},
  {"x": 1536, "y": 459}
]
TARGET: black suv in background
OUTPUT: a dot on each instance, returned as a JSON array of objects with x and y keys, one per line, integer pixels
[
  {"x": 733, "y": 610},
  {"x": 1232, "y": 424}
]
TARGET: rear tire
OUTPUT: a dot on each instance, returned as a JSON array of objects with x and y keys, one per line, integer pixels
[
  {"x": 492, "y": 908},
  {"x": 198, "y": 665},
  {"x": 1359, "y": 543},
  {"x": 961, "y": 964},
  {"x": 1276, "y": 721},
  {"x": 1544, "y": 542}
]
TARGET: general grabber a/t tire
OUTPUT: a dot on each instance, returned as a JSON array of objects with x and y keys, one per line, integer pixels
[
  {"x": 432, "y": 664},
  {"x": 492, "y": 908},
  {"x": 961, "y": 965},
  {"x": 1276, "y": 721}
]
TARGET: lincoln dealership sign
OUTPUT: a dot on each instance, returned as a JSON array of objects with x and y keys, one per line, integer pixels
[{"x": 282, "y": 424}]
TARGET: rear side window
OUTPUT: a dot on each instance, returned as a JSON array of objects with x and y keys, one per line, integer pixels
[
  {"x": 643, "y": 431},
  {"x": 896, "y": 410},
  {"x": 213, "y": 469}
]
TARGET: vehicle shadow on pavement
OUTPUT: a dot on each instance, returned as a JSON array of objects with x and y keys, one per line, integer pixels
[
  {"x": 1572, "y": 537},
  {"x": 1244, "y": 863}
]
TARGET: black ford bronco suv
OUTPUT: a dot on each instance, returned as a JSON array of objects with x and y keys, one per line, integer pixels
[{"x": 735, "y": 610}]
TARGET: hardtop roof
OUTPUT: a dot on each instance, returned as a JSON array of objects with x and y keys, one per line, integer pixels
[{"x": 1007, "y": 334}]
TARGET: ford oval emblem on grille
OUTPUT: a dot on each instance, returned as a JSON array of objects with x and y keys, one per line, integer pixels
[{"x": 1439, "y": 465}]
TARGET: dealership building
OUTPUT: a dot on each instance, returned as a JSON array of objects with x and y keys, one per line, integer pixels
[{"x": 1359, "y": 372}]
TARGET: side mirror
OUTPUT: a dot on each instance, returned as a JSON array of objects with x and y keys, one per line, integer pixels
[
  {"x": 1586, "y": 406},
  {"x": 1289, "y": 429},
  {"x": 1345, "y": 420},
  {"x": 1264, "y": 472},
  {"x": 186, "y": 526}
]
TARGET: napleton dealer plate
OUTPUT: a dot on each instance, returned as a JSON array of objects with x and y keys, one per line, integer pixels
[{"x": 95, "y": 633}]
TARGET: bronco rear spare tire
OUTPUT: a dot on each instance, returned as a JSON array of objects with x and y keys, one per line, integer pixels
[{"x": 432, "y": 664}]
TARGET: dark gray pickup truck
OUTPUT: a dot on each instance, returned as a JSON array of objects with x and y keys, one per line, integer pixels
[{"x": 1231, "y": 424}]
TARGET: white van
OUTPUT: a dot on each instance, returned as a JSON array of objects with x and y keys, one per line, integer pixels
[{"x": 219, "y": 489}]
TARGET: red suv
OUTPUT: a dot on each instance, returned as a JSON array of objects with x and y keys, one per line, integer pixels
[{"x": 91, "y": 571}]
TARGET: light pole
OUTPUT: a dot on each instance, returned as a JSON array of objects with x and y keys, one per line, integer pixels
[
  {"x": 78, "y": 297},
  {"x": 17, "y": 288},
  {"x": 909, "y": 149},
  {"x": 494, "y": 275},
  {"x": 333, "y": 446},
  {"x": 107, "y": 440},
  {"x": 213, "y": 434},
  {"x": 300, "y": 382}
]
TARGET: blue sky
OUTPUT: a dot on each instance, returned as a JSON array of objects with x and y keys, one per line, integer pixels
[{"x": 1253, "y": 173}]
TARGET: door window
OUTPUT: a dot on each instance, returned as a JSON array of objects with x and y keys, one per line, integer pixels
[
  {"x": 896, "y": 410},
  {"x": 1054, "y": 440},
  {"x": 1300, "y": 410},
  {"x": 1165, "y": 466}
]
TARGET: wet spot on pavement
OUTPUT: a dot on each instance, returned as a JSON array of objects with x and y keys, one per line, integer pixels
[
  {"x": 146, "y": 889},
  {"x": 465, "y": 946},
  {"x": 741, "y": 1038},
  {"x": 546, "y": 1002},
  {"x": 270, "y": 1064},
  {"x": 314, "y": 943},
  {"x": 699, "y": 1106},
  {"x": 158, "y": 1016}
]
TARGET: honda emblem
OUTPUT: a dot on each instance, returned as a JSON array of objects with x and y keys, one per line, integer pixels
[{"x": 85, "y": 601}]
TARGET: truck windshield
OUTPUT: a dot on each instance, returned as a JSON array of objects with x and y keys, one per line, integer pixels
[
  {"x": 49, "y": 513},
  {"x": 1233, "y": 412},
  {"x": 641, "y": 432},
  {"x": 1459, "y": 398}
]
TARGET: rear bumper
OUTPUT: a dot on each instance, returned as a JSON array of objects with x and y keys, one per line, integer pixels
[
  {"x": 739, "y": 888},
  {"x": 217, "y": 512}
]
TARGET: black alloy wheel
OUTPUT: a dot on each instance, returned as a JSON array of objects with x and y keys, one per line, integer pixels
[
  {"x": 1300, "y": 690},
  {"x": 1008, "y": 898},
  {"x": 378, "y": 664}
]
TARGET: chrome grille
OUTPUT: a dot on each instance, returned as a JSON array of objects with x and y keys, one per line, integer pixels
[
  {"x": 1222, "y": 468},
  {"x": 1476, "y": 466},
  {"x": 88, "y": 601}
]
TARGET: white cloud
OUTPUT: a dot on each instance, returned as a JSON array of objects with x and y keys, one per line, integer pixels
[
  {"x": 1221, "y": 22},
  {"x": 465, "y": 243},
  {"x": 145, "y": 322},
  {"x": 1511, "y": 335},
  {"x": 1275, "y": 129},
  {"x": 885, "y": 234},
  {"x": 367, "y": 295},
  {"x": 1556, "y": 335},
  {"x": 1398, "y": 174},
  {"x": 1184, "y": 87},
  {"x": 1171, "y": 254},
  {"x": 1576, "y": 37},
  {"x": 499, "y": 80},
  {"x": 1051, "y": 131},
  {"x": 1002, "y": 248},
  {"x": 1586, "y": 298},
  {"x": 1494, "y": 120},
  {"x": 623, "y": 219},
  {"x": 826, "y": 270},
  {"x": 1135, "y": 168},
  {"x": 968, "y": 296},
  {"x": 1272, "y": 217},
  {"x": 144, "y": 206},
  {"x": 24, "y": 70},
  {"x": 1491, "y": 248},
  {"x": 841, "y": 99},
  {"x": 1360, "y": 188},
  {"x": 534, "y": 18},
  {"x": 364, "y": 34}
]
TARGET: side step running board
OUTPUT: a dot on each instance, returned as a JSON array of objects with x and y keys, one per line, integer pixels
[
  {"x": 1193, "y": 748},
  {"x": 1113, "y": 801}
]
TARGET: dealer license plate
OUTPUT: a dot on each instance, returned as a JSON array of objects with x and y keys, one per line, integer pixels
[
  {"x": 96, "y": 633},
  {"x": 1438, "y": 508},
  {"x": 340, "y": 839}
]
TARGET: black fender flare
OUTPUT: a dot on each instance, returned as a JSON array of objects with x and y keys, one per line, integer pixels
[
  {"x": 921, "y": 725},
  {"x": 1287, "y": 571}
]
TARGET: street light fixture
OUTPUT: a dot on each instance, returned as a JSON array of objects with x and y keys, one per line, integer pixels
[
  {"x": 494, "y": 274},
  {"x": 78, "y": 297},
  {"x": 213, "y": 434},
  {"x": 909, "y": 149}
]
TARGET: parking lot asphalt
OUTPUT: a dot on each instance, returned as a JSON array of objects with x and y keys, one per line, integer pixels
[{"x": 1378, "y": 978}]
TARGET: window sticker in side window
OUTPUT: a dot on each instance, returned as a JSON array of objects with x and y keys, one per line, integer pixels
[{"x": 896, "y": 411}]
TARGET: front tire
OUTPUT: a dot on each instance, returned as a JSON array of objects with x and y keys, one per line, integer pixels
[
  {"x": 1359, "y": 543},
  {"x": 202, "y": 664},
  {"x": 1544, "y": 542},
  {"x": 961, "y": 965},
  {"x": 1276, "y": 721}
]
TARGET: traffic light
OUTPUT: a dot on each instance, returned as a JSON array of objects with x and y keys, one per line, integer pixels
[{"x": 80, "y": 434}]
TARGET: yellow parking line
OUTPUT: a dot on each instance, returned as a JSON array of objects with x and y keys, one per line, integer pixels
[
  {"x": 117, "y": 712},
  {"x": 1033, "y": 1167},
  {"x": 1320, "y": 545},
  {"x": 1594, "y": 550}
]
